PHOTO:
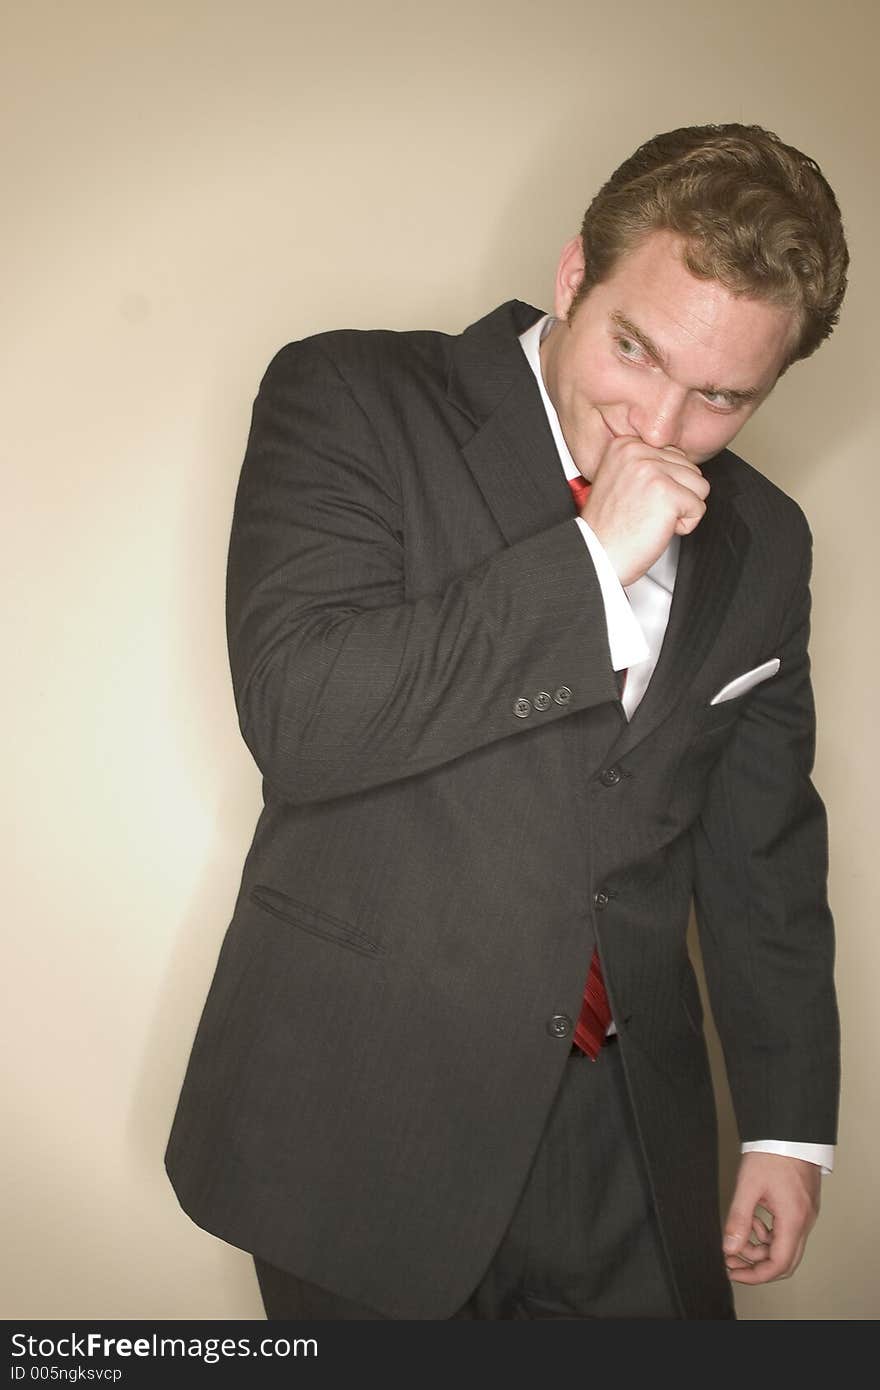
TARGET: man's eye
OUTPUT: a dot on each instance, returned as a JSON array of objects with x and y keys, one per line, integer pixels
[
  {"x": 628, "y": 347},
  {"x": 717, "y": 398}
]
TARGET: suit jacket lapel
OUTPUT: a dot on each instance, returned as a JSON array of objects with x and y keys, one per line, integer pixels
[{"x": 512, "y": 454}]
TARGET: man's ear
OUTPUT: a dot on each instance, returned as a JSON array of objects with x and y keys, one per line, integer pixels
[{"x": 569, "y": 274}]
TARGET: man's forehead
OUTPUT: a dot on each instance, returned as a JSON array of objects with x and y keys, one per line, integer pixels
[
  {"x": 653, "y": 295},
  {"x": 652, "y": 281}
]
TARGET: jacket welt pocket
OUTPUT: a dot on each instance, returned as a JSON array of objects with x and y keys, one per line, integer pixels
[
  {"x": 717, "y": 720},
  {"x": 313, "y": 920}
]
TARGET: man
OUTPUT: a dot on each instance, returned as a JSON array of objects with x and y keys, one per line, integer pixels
[{"x": 504, "y": 746}]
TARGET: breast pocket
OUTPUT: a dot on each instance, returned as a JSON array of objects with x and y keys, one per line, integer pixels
[
  {"x": 714, "y": 721},
  {"x": 703, "y": 744}
]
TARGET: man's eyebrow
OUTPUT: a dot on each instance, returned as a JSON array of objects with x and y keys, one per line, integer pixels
[
  {"x": 748, "y": 393},
  {"x": 620, "y": 321},
  {"x": 623, "y": 323}
]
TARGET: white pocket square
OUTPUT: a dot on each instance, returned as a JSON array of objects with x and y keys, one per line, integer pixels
[{"x": 742, "y": 683}]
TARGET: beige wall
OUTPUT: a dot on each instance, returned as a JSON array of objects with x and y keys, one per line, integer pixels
[{"x": 188, "y": 185}]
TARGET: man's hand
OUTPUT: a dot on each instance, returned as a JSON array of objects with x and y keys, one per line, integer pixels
[
  {"x": 755, "y": 1250},
  {"x": 640, "y": 498}
]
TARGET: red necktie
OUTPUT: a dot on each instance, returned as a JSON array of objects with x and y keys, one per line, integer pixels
[
  {"x": 595, "y": 1016},
  {"x": 580, "y": 490}
]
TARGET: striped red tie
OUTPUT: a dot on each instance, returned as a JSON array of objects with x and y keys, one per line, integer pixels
[{"x": 595, "y": 1016}]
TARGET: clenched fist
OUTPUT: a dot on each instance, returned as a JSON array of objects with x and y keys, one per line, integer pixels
[{"x": 641, "y": 497}]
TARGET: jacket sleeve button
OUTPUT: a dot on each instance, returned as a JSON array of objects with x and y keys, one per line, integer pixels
[
  {"x": 542, "y": 700},
  {"x": 563, "y": 695},
  {"x": 522, "y": 708}
]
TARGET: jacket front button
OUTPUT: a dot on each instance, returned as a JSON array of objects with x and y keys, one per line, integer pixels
[
  {"x": 601, "y": 900},
  {"x": 610, "y": 777},
  {"x": 522, "y": 708},
  {"x": 563, "y": 695},
  {"x": 541, "y": 700},
  {"x": 560, "y": 1026}
]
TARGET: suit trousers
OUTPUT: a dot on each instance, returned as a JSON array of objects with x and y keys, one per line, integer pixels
[{"x": 583, "y": 1241}]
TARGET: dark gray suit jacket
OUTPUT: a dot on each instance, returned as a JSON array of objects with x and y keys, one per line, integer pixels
[{"x": 391, "y": 1011}]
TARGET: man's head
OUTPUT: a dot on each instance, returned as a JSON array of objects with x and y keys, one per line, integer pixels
[
  {"x": 710, "y": 261},
  {"x": 753, "y": 213}
]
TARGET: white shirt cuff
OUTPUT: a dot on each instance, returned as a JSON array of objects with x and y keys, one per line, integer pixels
[
  {"x": 820, "y": 1154},
  {"x": 626, "y": 641}
]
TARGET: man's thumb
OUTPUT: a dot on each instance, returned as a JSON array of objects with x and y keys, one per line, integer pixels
[{"x": 736, "y": 1231}]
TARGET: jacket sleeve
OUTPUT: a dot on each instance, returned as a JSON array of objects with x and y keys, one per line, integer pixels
[
  {"x": 340, "y": 683},
  {"x": 766, "y": 932}
]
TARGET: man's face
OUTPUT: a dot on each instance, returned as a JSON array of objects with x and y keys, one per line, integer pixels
[{"x": 656, "y": 353}]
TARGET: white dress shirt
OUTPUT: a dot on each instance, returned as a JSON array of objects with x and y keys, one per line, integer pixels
[{"x": 636, "y": 616}]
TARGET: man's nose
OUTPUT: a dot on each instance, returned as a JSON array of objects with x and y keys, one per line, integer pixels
[{"x": 657, "y": 417}]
